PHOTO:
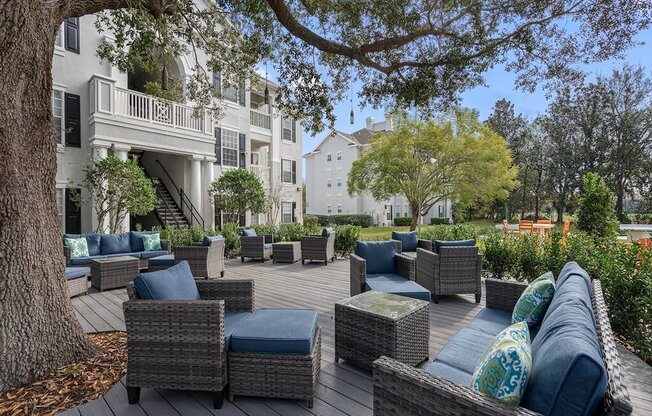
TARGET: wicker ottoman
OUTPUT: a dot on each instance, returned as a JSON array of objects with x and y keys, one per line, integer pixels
[
  {"x": 286, "y": 252},
  {"x": 373, "y": 324},
  {"x": 161, "y": 262},
  {"x": 276, "y": 353},
  {"x": 77, "y": 279},
  {"x": 113, "y": 272}
]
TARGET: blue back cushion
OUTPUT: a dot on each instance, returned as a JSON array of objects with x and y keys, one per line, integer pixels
[
  {"x": 461, "y": 243},
  {"x": 209, "y": 239},
  {"x": 115, "y": 243},
  {"x": 92, "y": 239},
  {"x": 326, "y": 232},
  {"x": 249, "y": 232},
  {"x": 572, "y": 268},
  {"x": 174, "y": 283},
  {"x": 136, "y": 239},
  {"x": 408, "y": 240},
  {"x": 378, "y": 254},
  {"x": 568, "y": 375}
]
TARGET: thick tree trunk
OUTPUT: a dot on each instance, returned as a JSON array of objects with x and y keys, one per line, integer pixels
[
  {"x": 38, "y": 328},
  {"x": 415, "y": 217}
]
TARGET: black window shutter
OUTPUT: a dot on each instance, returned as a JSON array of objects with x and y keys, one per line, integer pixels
[
  {"x": 72, "y": 110},
  {"x": 294, "y": 131},
  {"x": 73, "y": 213},
  {"x": 217, "y": 82},
  {"x": 72, "y": 34},
  {"x": 243, "y": 150},
  {"x": 294, "y": 171},
  {"x": 218, "y": 146},
  {"x": 294, "y": 208},
  {"x": 242, "y": 92},
  {"x": 282, "y": 170}
]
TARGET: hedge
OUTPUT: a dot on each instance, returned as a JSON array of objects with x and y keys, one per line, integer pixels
[
  {"x": 362, "y": 220},
  {"x": 402, "y": 221},
  {"x": 435, "y": 221}
]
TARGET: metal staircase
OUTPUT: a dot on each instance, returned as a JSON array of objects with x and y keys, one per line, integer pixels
[{"x": 167, "y": 211}]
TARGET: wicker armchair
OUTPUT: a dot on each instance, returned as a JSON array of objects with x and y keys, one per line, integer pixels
[
  {"x": 421, "y": 243},
  {"x": 317, "y": 247},
  {"x": 403, "y": 390},
  {"x": 454, "y": 270},
  {"x": 180, "y": 344},
  {"x": 358, "y": 269},
  {"x": 256, "y": 247},
  {"x": 205, "y": 261}
]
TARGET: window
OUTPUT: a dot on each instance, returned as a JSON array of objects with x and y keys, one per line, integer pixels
[
  {"x": 339, "y": 182},
  {"x": 72, "y": 34},
  {"x": 287, "y": 212},
  {"x": 329, "y": 157},
  {"x": 57, "y": 114},
  {"x": 329, "y": 208},
  {"x": 339, "y": 208},
  {"x": 287, "y": 129},
  {"x": 229, "y": 148},
  {"x": 61, "y": 205},
  {"x": 58, "y": 42},
  {"x": 230, "y": 93},
  {"x": 255, "y": 158},
  {"x": 339, "y": 160},
  {"x": 288, "y": 171},
  {"x": 339, "y": 155},
  {"x": 329, "y": 183}
]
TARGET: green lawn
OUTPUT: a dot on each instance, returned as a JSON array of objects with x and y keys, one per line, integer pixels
[{"x": 385, "y": 233}]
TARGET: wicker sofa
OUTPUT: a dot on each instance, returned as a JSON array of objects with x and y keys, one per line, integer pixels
[
  {"x": 113, "y": 245},
  {"x": 377, "y": 265},
  {"x": 255, "y": 246},
  {"x": 575, "y": 370},
  {"x": 318, "y": 247}
]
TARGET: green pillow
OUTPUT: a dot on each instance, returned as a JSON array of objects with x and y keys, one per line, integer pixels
[
  {"x": 504, "y": 367},
  {"x": 78, "y": 247},
  {"x": 152, "y": 242},
  {"x": 534, "y": 301}
]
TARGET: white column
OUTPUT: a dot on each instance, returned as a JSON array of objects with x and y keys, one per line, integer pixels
[
  {"x": 209, "y": 176},
  {"x": 100, "y": 151},
  {"x": 122, "y": 153},
  {"x": 195, "y": 181}
]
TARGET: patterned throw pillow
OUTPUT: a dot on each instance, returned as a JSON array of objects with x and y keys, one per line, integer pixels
[
  {"x": 152, "y": 242},
  {"x": 504, "y": 368},
  {"x": 534, "y": 302},
  {"x": 78, "y": 247}
]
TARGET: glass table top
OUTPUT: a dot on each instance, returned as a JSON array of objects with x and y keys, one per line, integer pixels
[{"x": 383, "y": 304}]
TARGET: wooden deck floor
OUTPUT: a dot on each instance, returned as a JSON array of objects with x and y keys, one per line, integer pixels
[{"x": 343, "y": 389}]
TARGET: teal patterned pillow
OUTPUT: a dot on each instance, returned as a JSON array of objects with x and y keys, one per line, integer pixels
[
  {"x": 504, "y": 368},
  {"x": 152, "y": 242},
  {"x": 78, "y": 247},
  {"x": 534, "y": 302}
]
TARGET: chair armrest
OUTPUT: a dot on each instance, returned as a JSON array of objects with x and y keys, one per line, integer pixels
[
  {"x": 166, "y": 245},
  {"x": 315, "y": 241},
  {"x": 238, "y": 294},
  {"x": 399, "y": 246},
  {"x": 358, "y": 267},
  {"x": 269, "y": 239},
  {"x": 400, "y": 389},
  {"x": 66, "y": 254},
  {"x": 425, "y": 244},
  {"x": 405, "y": 265},
  {"x": 503, "y": 294}
]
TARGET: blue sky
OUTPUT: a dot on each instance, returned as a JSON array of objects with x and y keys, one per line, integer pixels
[{"x": 500, "y": 84}]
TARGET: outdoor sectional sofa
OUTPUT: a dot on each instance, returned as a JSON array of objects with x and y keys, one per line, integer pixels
[
  {"x": 115, "y": 245},
  {"x": 575, "y": 364}
]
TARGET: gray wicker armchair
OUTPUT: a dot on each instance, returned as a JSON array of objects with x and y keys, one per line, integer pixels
[
  {"x": 205, "y": 261},
  {"x": 317, "y": 247},
  {"x": 403, "y": 390},
  {"x": 421, "y": 243},
  {"x": 358, "y": 270},
  {"x": 180, "y": 344},
  {"x": 455, "y": 270},
  {"x": 256, "y": 247}
]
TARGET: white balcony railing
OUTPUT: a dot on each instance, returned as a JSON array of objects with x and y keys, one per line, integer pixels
[
  {"x": 261, "y": 173},
  {"x": 258, "y": 119}
]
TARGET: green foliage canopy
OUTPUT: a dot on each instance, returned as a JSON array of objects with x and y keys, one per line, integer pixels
[
  {"x": 596, "y": 215},
  {"x": 236, "y": 192}
]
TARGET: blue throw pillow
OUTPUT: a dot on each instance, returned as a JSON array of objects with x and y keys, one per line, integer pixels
[
  {"x": 409, "y": 240},
  {"x": 249, "y": 232},
  {"x": 326, "y": 232},
  {"x": 461, "y": 243},
  {"x": 208, "y": 239},
  {"x": 173, "y": 283},
  {"x": 378, "y": 254}
]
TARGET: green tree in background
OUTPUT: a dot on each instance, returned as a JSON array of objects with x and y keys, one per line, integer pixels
[
  {"x": 455, "y": 158},
  {"x": 596, "y": 214},
  {"x": 236, "y": 192}
]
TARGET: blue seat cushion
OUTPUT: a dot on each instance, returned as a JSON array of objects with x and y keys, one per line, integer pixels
[
  {"x": 232, "y": 321},
  {"x": 447, "y": 372},
  {"x": 461, "y": 243},
  {"x": 568, "y": 375},
  {"x": 209, "y": 239},
  {"x": 164, "y": 260},
  {"x": 115, "y": 243},
  {"x": 149, "y": 254},
  {"x": 326, "y": 231},
  {"x": 409, "y": 240},
  {"x": 276, "y": 331},
  {"x": 464, "y": 349},
  {"x": 136, "y": 239},
  {"x": 268, "y": 246},
  {"x": 249, "y": 232},
  {"x": 396, "y": 284},
  {"x": 84, "y": 261},
  {"x": 92, "y": 240},
  {"x": 77, "y": 272},
  {"x": 174, "y": 283},
  {"x": 491, "y": 321},
  {"x": 379, "y": 255}
]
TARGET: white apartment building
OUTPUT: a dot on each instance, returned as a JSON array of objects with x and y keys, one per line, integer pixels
[
  {"x": 327, "y": 171},
  {"x": 99, "y": 111}
]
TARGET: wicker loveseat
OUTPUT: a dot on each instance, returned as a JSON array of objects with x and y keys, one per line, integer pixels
[
  {"x": 575, "y": 364},
  {"x": 318, "y": 247}
]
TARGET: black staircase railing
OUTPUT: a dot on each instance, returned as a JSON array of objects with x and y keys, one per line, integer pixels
[
  {"x": 194, "y": 217},
  {"x": 159, "y": 195}
]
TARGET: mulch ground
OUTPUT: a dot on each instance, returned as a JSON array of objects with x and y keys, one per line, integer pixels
[{"x": 74, "y": 384}]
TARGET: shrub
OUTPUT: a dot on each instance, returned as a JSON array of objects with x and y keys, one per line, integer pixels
[
  {"x": 310, "y": 220},
  {"x": 402, "y": 221},
  {"x": 312, "y": 229},
  {"x": 345, "y": 238},
  {"x": 231, "y": 233},
  {"x": 498, "y": 255},
  {"x": 362, "y": 220},
  {"x": 289, "y": 232},
  {"x": 449, "y": 232},
  {"x": 640, "y": 218},
  {"x": 435, "y": 221},
  {"x": 596, "y": 214},
  {"x": 323, "y": 220}
]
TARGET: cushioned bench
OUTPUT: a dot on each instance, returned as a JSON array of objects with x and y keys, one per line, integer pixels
[
  {"x": 160, "y": 262},
  {"x": 114, "y": 245}
]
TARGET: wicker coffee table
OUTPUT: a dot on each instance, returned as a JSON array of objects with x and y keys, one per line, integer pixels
[
  {"x": 113, "y": 272},
  {"x": 373, "y": 324},
  {"x": 286, "y": 252}
]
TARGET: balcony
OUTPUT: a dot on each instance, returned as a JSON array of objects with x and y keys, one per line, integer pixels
[{"x": 260, "y": 119}]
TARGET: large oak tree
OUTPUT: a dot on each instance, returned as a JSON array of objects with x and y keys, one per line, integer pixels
[{"x": 421, "y": 53}]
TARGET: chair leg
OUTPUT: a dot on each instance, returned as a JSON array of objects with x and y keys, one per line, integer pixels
[
  {"x": 309, "y": 403},
  {"x": 326, "y": 262},
  {"x": 435, "y": 298},
  {"x": 478, "y": 296},
  {"x": 303, "y": 261},
  {"x": 218, "y": 399},
  {"x": 242, "y": 259},
  {"x": 222, "y": 273},
  {"x": 133, "y": 394}
]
